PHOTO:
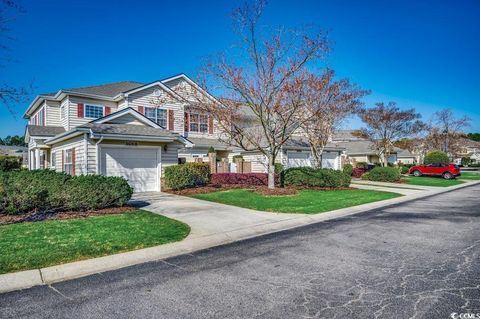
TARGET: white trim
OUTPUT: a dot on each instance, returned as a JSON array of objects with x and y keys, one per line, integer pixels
[
  {"x": 125, "y": 111},
  {"x": 85, "y": 152},
  {"x": 159, "y": 158}
]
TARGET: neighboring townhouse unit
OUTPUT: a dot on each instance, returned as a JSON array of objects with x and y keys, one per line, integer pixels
[
  {"x": 358, "y": 149},
  {"x": 135, "y": 130}
]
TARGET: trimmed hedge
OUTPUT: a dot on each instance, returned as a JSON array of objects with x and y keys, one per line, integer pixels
[
  {"x": 253, "y": 179},
  {"x": 8, "y": 163},
  {"x": 348, "y": 169},
  {"x": 435, "y": 157},
  {"x": 321, "y": 177},
  {"x": 23, "y": 191},
  {"x": 187, "y": 175},
  {"x": 384, "y": 174}
]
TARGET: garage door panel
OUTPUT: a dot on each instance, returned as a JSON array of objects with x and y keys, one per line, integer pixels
[
  {"x": 138, "y": 166},
  {"x": 299, "y": 159}
]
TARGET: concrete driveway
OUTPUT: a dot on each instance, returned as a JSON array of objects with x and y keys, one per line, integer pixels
[
  {"x": 418, "y": 259},
  {"x": 206, "y": 218}
]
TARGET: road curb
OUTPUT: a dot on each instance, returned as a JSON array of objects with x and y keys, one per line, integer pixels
[{"x": 26, "y": 279}]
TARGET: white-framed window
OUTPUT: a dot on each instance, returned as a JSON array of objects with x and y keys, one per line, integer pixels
[
  {"x": 63, "y": 111},
  {"x": 198, "y": 123},
  {"x": 53, "y": 160},
  {"x": 40, "y": 117},
  {"x": 68, "y": 162},
  {"x": 93, "y": 111},
  {"x": 157, "y": 115}
]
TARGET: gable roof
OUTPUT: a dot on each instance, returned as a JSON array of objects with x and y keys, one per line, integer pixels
[
  {"x": 108, "y": 90},
  {"x": 37, "y": 130},
  {"x": 128, "y": 129},
  {"x": 128, "y": 111}
]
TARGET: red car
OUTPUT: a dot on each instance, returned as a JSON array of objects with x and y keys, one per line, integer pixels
[{"x": 447, "y": 171}]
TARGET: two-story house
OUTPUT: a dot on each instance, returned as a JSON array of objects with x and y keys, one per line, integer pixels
[
  {"x": 135, "y": 130},
  {"x": 124, "y": 129}
]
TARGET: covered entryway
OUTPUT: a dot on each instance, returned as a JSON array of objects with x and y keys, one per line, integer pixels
[
  {"x": 298, "y": 159},
  {"x": 139, "y": 165}
]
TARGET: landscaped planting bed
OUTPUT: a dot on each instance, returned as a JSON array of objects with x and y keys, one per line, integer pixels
[{"x": 41, "y": 244}]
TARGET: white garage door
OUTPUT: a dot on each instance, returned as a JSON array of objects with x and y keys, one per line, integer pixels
[
  {"x": 329, "y": 160},
  {"x": 299, "y": 159},
  {"x": 140, "y": 166}
]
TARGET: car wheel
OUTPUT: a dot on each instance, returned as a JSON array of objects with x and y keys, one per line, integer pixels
[
  {"x": 417, "y": 173},
  {"x": 447, "y": 175}
]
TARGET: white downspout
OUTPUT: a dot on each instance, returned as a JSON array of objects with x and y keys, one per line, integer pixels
[{"x": 97, "y": 149}]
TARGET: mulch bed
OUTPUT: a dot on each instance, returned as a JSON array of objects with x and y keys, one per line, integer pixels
[{"x": 52, "y": 215}]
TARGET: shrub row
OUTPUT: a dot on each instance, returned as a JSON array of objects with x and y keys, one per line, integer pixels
[
  {"x": 187, "y": 175},
  {"x": 311, "y": 177},
  {"x": 8, "y": 163},
  {"x": 383, "y": 174},
  {"x": 253, "y": 179},
  {"x": 23, "y": 191},
  {"x": 348, "y": 169}
]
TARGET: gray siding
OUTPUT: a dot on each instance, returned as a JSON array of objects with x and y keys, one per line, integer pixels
[
  {"x": 52, "y": 114},
  {"x": 146, "y": 98},
  {"x": 77, "y": 121}
]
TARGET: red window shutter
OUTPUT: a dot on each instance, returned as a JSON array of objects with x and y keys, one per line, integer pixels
[
  {"x": 140, "y": 110},
  {"x": 170, "y": 120},
  {"x": 63, "y": 161},
  {"x": 187, "y": 121},
  {"x": 108, "y": 110},
  {"x": 73, "y": 162},
  {"x": 210, "y": 125},
  {"x": 80, "y": 110}
]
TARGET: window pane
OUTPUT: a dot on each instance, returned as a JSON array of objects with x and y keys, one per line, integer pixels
[
  {"x": 162, "y": 117},
  {"x": 194, "y": 122},
  {"x": 93, "y": 111},
  {"x": 203, "y": 123}
]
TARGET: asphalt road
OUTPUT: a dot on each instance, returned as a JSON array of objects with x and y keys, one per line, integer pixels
[{"x": 415, "y": 260}]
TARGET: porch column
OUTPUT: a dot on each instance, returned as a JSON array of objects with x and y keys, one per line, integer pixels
[{"x": 37, "y": 158}]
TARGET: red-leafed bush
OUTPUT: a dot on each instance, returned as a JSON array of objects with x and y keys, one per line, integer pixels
[
  {"x": 358, "y": 172},
  {"x": 255, "y": 179}
]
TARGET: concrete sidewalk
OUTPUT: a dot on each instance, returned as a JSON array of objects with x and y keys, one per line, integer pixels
[{"x": 212, "y": 225}]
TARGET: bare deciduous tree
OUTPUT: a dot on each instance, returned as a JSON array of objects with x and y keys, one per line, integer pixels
[
  {"x": 387, "y": 124},
  {"x": 327, "y": 104},
  {"x": 262, "y": 97},
  {"x": 447, "y": 130}
]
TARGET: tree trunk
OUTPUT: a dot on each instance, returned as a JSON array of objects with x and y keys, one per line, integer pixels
[
  {"x": 316, "y": 156},
  {"x": 271, "y": 172}
]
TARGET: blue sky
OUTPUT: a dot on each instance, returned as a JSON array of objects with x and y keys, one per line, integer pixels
[{"x": 422, "y": 54}]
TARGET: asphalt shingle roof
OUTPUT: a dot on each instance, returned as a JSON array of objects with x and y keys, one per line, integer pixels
[
  {"x": 128, "y": 129},
  {"x": 207, "y": 142},
  {"x": 108, "y": 90},
  {"x": 37, "y": 130}
]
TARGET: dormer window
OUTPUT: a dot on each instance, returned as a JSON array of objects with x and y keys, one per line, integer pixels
[
  {"x": 157, "y": 115},
  {"x": 94, "y": 111}
]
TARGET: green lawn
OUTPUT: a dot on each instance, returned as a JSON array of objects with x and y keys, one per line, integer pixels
[
  {"x": 46, "y": 243},
  {"x": 470, "y": 176},
  {"x": 306, "y": 201},
  {"x": 431, "y": 181}
]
